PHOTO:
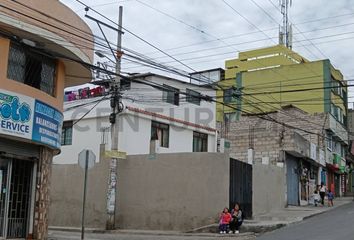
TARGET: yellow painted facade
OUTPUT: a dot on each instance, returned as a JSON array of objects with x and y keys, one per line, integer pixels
[{"x": 276, "y": 76}]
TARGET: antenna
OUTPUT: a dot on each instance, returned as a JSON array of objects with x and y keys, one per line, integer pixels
[{"x": 285, "y": 31}]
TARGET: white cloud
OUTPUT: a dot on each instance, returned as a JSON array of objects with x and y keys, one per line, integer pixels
[{"x": 216, "y": 19}]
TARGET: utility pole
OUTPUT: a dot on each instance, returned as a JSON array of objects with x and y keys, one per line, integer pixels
[{"x": 115, "y": 105}]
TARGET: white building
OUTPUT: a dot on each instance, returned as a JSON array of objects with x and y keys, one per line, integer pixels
[{"x": 153, "y": 120}]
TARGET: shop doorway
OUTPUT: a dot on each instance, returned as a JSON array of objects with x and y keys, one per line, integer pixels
[{"x": 15, "y": 197}]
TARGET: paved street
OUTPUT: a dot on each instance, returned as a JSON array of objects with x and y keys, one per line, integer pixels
[
  {"x": 336, "y": 224},
  {"x": 58, "y": 235}
]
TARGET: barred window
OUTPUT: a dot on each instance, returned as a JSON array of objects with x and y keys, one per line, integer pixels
[{"x": 31, "y": 68}]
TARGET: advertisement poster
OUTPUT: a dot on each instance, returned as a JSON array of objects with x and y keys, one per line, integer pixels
[{"x": 28, "y": 118}]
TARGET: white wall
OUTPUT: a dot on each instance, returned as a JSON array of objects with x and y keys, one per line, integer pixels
[
  {"x": 85, "y": 136},
  {"x": 134, "y": 138}
]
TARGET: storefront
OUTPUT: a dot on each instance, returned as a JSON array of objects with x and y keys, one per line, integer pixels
[
  {"x": 30, "y": 132},
  {"x": 308, "y": 182},
  {"x": 333, "y": 179}
]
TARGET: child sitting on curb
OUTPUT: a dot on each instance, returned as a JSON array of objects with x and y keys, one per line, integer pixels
[{"x": 224, "y": 221}]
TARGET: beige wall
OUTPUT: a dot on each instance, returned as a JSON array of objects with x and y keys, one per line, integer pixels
[
  {"x": 172, "y": 192},
  {"x": 269, "y": 188},
  {"x": 67, "y": 191}
]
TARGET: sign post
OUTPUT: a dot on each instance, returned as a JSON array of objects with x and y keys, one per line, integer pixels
[{"x": 86, "y": 161}]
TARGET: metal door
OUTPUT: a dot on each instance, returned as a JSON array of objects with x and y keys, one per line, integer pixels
[
  {"x": 241, "y": 186},
  {"x": 4, "y": 166},
  {"x": 15, "y": 191},
  {"x": 19, "y": 199},
  {"x": 292, "y": 180}
]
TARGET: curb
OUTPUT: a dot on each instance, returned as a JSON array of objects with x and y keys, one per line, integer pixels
[{"x": 181, "y": 234}]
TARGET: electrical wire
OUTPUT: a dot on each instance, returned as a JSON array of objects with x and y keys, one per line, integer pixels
[
  {"x": 184, "y": 74},
  {"x": 82, "y": 117}
]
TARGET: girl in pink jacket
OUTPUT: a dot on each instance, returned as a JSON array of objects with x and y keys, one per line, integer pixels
[{"x": 225, "y": 219}]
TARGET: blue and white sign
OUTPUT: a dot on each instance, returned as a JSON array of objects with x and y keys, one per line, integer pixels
[
  {"x": 25, "y": 117},
  {"x": 47, "y": 124}
]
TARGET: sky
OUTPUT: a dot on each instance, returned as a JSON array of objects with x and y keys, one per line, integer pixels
[{"x": 202, "y": 34}]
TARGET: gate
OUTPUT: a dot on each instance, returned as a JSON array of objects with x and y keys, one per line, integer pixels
[
  {"x": 241, "y": 186},
  {"x": 15, "y": 189}
]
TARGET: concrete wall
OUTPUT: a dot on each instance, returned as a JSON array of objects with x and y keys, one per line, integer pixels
[
  {"x": 67, "y": 192},
  {"x": 170, "y": 192},
  {"x": 269, "y": 188},
  {"x": 173, "y": 191}
]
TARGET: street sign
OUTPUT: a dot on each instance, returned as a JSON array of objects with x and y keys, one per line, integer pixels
[
  {"x": 116, "y": 154},
  {"x": 91, "y": 159}
]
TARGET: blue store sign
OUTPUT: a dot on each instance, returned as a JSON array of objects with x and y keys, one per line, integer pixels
[{"x": 25, "y": 117}]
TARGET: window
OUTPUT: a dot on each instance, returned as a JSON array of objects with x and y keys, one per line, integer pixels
[
  {"x": 334, "y": 111},
  {"x": 228, "y": 95},
  {"x": 170, "y": 95},
  {"x": 230, "y": 117},
  {"x": 161, "y": 132},
  {"x": 343, "y": 151},
  {"x": 193, "y": 96},
  {"x": 200, "y": 142},
  {"x": 329, "y": 142},
  {"x": 67, "y": 133},
  {"x": 337, "y": 88},
  {"x": 31, "y": 68},
  {"x": 338, "y": 113}
]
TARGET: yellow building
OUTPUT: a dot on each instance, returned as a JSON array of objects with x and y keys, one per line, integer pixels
[
  {"x": 263, "y": 80},
  {"x": 35, "y": 47}
]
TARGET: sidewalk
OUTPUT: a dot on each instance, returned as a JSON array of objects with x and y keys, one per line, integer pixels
[
  {"x": 274, "y": 220},
  {"x": 260, "y": 224},
  {"x": 73, "y": 234}
]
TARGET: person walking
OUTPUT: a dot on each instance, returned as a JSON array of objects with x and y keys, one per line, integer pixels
[
  {"x": 237, "y": 219},
  {"x": 322, "y": 193},
  {"x": 224, "y": 221}
]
